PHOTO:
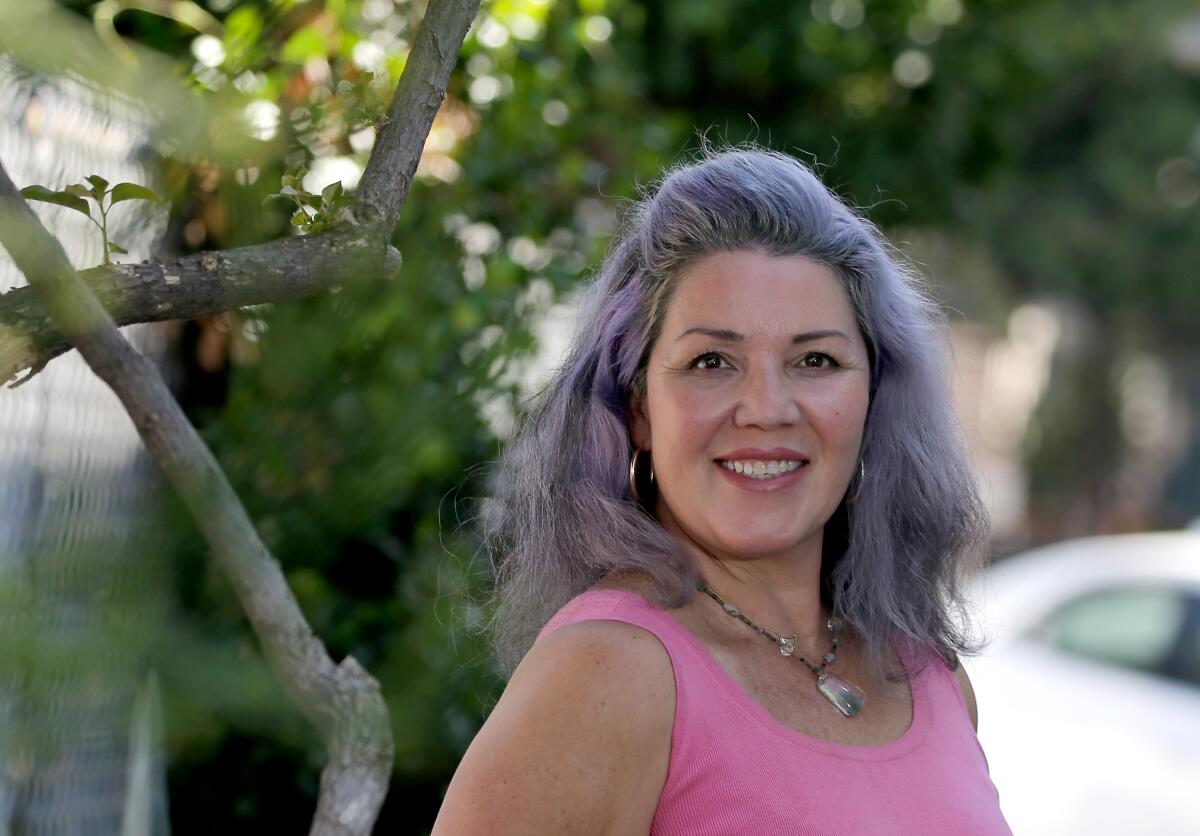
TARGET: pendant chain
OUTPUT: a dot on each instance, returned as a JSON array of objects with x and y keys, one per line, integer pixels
[
  {"x": 846, "y": 697},
  {"x": 786, "y": 645}
]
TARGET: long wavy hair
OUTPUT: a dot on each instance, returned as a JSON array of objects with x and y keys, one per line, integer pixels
[{"x": 561, "y": 513}]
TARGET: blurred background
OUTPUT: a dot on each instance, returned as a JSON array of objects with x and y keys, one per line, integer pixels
[{"x": 1040, "y": 161}]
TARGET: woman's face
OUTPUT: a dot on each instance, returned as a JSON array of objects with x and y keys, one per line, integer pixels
[{"x": 760, "y": 360}]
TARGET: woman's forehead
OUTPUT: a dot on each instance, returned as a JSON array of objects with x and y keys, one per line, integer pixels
[{"x": 753, "y": 294}]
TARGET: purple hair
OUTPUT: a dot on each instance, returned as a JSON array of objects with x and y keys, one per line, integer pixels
[{"x": 562, "y": 514}]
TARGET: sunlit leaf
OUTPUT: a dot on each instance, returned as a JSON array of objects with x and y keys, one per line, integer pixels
[
  {"x": 306, "y": 42},
  {"x": 44, "y": 195},
  {"x": 99, "y": 185},
  {"x": 332, "y": 192},
  {"x": 132, "y": 191},
  {"x": 243, "y": 25}
]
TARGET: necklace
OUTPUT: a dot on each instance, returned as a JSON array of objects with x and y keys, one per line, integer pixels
[{"x": 846, "y": 697}]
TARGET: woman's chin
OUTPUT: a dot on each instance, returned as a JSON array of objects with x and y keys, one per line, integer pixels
[{"x": 758, "y": 547}]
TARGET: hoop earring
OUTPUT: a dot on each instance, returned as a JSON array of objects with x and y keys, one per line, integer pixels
[
  {"x": 862, "y": 477},
  {"x": 633, "y": 474}
]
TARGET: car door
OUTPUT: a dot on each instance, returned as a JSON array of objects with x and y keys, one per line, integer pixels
[{"x": 1091, "y": 717}]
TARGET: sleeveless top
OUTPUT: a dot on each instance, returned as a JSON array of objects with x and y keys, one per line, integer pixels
[{"x": 735, "y": 770}]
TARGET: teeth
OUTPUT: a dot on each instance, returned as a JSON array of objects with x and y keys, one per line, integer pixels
[{"x": 760, "y": 469}]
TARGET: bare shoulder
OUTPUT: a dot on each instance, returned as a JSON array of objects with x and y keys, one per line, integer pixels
[
  {"x": 578, "y": 743},
  {"x": 964, "y": 683}
]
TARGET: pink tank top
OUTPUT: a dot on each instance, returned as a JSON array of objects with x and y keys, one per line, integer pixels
[{"x": 735, "y": 770}]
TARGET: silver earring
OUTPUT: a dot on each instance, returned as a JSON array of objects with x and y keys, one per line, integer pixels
[
  {"x": 862, "y": 477},
  {"x": 633, "y": 474}
]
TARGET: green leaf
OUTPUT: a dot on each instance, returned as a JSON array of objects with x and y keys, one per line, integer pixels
[
  {"x": 306, "y": 42},
  {"x": 66, "y": 199},
  {"x": 132, "y": 191},
  {"x": 78, "y": 189},
  {"x": 244, "y": 24},
  {"x": 299, "y": 198},
  {"x": 117, "y": 248},
  {"x": 332, "y": 192},
  {"x": 99, "y": 185},
  {"x": 300, "y": 218}
]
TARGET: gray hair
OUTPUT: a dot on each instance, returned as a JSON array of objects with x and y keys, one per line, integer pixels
[{"x": 562, "y": 514}]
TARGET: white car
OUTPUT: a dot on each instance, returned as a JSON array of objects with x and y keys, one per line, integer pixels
[{"x": 1089, "y": 694}]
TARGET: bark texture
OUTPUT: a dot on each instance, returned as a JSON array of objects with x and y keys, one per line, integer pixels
[{"x": 194, "y": 286}]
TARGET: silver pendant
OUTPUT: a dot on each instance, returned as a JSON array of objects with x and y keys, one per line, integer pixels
[{"x": 845, "y": 696}]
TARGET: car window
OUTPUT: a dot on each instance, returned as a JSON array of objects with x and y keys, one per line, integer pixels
[
  {"x": 1184, "y": 663},
  {"x": 1132, "y": 627}
]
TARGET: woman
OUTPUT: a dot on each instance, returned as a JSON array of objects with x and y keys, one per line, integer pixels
[{"x": 735, "y": 523}]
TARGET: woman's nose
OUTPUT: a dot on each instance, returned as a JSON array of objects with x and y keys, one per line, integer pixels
[{"x": 766, "y": 400}]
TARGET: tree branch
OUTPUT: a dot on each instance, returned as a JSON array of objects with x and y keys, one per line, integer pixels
[
  {"x": 291, "y": 268},
  {"x": 343, "y": 702},
  {"x": 388, "y": 177},
  {"x": 193, "y": 286}
]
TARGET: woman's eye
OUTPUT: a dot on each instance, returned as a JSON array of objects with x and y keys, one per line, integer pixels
[
  {"x": 708, "y": 360},
  {"x": 818, "y": 360}
]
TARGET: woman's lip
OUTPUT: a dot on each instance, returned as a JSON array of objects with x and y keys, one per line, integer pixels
[
  {"x": 763, "y": 485},
  {"x": 763, "y": 454}
]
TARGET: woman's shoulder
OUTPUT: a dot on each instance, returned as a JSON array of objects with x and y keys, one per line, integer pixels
[
  {"x": 600, "y": 655},
  {"x": 606, "y": 636},
  {"x": 618, "y": 617},
  {"x": 608, "y": 645},
  {"x": 617, "y": 597},
  {"x": 634, "y": 599},
  {"x": 580, "y": 737}
]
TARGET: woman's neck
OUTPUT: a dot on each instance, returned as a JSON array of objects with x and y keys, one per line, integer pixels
[{"x": 787, "y": 603}]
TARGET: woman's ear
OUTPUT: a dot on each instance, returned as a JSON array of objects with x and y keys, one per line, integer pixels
[{"x": 639, "y": 424}]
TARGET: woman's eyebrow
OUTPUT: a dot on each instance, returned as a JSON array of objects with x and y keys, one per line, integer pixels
[{"x": 734, "y": 337}]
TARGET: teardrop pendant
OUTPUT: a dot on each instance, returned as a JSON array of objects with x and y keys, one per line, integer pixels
[{"x": 846, "y": 697}]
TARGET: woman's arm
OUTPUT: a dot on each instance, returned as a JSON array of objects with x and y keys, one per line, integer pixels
[{"x": 578, "y": 743}]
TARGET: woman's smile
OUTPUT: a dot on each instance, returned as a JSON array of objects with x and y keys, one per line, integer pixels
[
  {"x": 763, "y": 470},
  {"x": 763, "y": 477}
]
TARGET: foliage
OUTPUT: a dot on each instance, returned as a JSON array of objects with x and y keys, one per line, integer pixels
[
  {"x": 314, "y": 213},
  {"x": 77, "y": 195}
]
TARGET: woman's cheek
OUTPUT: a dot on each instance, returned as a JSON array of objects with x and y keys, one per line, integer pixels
[{"x": 694, "y": 411}]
